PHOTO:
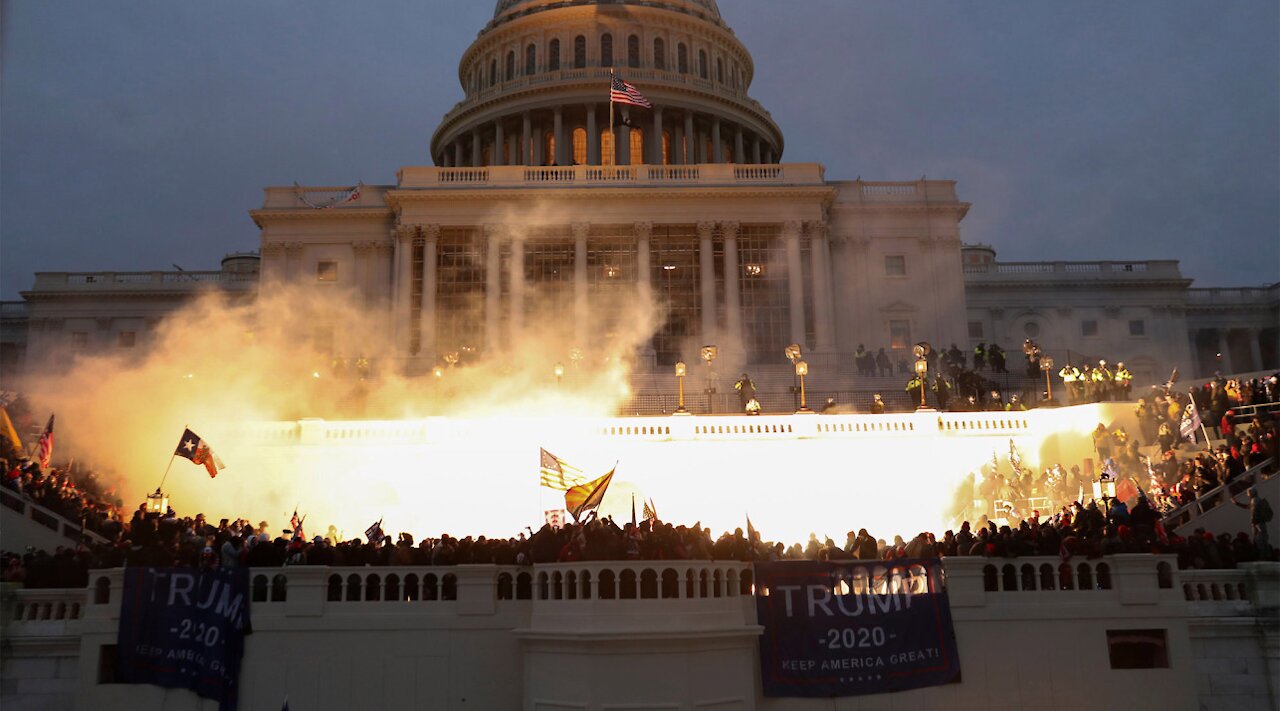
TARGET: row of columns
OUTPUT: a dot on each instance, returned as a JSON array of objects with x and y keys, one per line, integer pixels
[
  {"x": 1253, "y": 337},
  {"x": 528, "y": 147},
  {"x": 731, "y": 337}
]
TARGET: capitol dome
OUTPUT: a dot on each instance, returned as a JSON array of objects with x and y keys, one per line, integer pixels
[{"x": 536, "y": 88}]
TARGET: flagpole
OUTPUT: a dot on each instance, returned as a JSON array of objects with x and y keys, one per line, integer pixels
[
  {"x": 172, "y": 456},
  {"x": 613, "y": 140}
]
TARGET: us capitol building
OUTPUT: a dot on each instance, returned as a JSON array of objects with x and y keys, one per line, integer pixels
[{"x": 532, "y": 212}]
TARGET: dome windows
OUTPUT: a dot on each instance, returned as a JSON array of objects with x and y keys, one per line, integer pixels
[
  {"x": 682, "y": 58},
  {"x": 580, "y": 52},
  {"x": 659, "y": 54},
  {"x": 633, "y": 51},
  {"x": 530, "y": 59},
  {"x": 702, "y": 63},
  {"x": 606, "y": 50},
  {"x": 553, "y": 55}
]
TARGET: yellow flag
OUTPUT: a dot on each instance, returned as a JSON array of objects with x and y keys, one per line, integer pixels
[
  {"x": 584, "y": 497},
  {"x": 7, "y": 431}
]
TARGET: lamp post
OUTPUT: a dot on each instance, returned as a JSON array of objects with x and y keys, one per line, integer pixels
[
  {"x": 681, "y": 370},
  {"x": 709, "y": 354},
  {"x": 922, "y": 372},
  {"x": 794, "y": 354},
  {"x": 157, "y": 503},
  {"x": 802, "y": 369},
  {"x": 559, "y": 370},
  {"x": 1046, "y": 364}
]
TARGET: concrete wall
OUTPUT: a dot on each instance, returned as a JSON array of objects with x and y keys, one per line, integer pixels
[{"x": 572, "y": 646}]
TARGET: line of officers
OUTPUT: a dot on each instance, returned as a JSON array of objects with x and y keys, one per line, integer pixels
[{"x": 1086, "y": 383}]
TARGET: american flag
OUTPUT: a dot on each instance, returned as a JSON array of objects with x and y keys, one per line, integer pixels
[
  {"x": 374, "y": 533},
  {"x": 558, "y": 474},
  {"x": 44, "y": 446},
  {"x": 623, "y": 93},
  {"x": 295, "y": 524}
]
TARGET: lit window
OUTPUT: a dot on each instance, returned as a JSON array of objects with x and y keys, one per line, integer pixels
[
  {"x": 126, "y": 339},
  {"x": 895, "y": 265},
  {"x": 579, "y": 146},
  {"x": 327, "y": 271},
  {"x": 754, "y": 270},
  {"x": 975, "y": 329},
  {"x": 899, "y": 334},
  {"x": 611, "y": 271},
  {"x": 637, "y": 146},
  {"x": 1137, "y": 327},
  {"x": 1088, "y": 329}
]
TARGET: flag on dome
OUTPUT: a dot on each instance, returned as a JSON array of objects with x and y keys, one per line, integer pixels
[
  {"x": 584, "y": 497},
  {"x": 623, "y": 93},
  {"x": 44, "y": 446},
  {"x": 199, "y": 452},
  {"x": 558, "y": 474}
]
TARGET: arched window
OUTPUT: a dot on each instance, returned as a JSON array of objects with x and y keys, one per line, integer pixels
[
  {"x": 606, "y": 147},
  {"x": 549, "y": 148},
  {"x": 659, "y": 54},
  {"x": 493, "y": 72},
  {"x": 719, "y": 70},
  {"x": 553, "y": 56},
  {"x": 580, "y": 51},
  {"x": 702, "y": 63},
  {"x": 511, "y": 67},
  {"x": 579, "y": 146},
  {"x": 606, "y": 50},
  {"x": 637, "y": 146},
  {"x": 682, "y": 58},
  {"x": 530, "y": 59},
  {"x": 633, "y": 51}
]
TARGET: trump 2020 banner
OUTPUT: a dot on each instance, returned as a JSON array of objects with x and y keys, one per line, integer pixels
[
  {"x": 184, "y": 628},
  {"x": 852, "y": 628}
]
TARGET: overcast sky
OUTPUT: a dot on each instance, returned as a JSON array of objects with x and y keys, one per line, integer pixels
[{"x": 134, "y": 134}]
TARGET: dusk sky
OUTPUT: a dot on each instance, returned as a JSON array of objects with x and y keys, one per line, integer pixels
[{"x": 135, "y": 135}]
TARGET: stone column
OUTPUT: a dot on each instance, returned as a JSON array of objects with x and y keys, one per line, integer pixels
[
  {"x": 593, "y": 137},
  {"x": 738, "y": 156},
  {"x": 795, "y": 280},
  {"x": 427, "y": 317},
  {"x": 707, "y": 280},
  {"x": 1224, "y": 363},
  {"x": 457, "y": 153},
  {"x": 690, "y": 140},
  {"x": 820, "y": 265},
  {"x": 539, "y": 146},
  {"x": 526, "y": 158},
  {"x": 644, "y": 288},
  {"x": 1255, "y": 347},
  {"x": 677, "y": 145},
  {"x": 515, "y": 319},
  {"x": 404, "y": 236},
  {"x": 622, "y": 144},
  {"x": 732, "y": 287},
  {"x": 499, "y": 143},
  {"x": 768, "y": 154},
  {"x": 557, "y": 130},
  {"x": 475, "y": 147},
  {"x": 656, "y": 141},
  {"x": 755, "y": 150},
  {"x": 717, "y": 150},
  {"x": 580, "y": 311},
  {"x": 492, "y": 284}
]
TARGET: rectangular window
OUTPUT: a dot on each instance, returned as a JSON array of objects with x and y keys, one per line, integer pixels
[
  {"x": 975, "y": 329},
  {"x": 126, "y": 339},
  {"x": 79, "y": 340},
  {"x": 1137, "y": 327},
  {"x": 327, "y": 271},
  {"x": 1089, "y": 329},
  {"x": 899, "y": 334},
  {"x": 1138, "y": 649},
  {"x": 895, "y": 265}
]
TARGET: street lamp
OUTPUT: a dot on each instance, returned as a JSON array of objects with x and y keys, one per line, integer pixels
[
  {"x": 559, "y": 373},
  {"x": 709, "y": 354},
  {"x": 922, "y": 371},
  {"x": 157, "y": 503},
  {"x": 681, "y": 370},
  {"x": 1046, "y": 364},
  {"x": 802, "y": 369}
]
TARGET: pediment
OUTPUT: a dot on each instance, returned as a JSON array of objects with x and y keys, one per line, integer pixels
[{"x": 898, "y": 307}]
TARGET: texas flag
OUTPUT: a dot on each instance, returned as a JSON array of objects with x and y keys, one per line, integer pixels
[{"x": 199, "y": 452}]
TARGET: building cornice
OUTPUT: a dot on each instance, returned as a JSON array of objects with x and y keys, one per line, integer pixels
[
  {"x": 399, "y": 198},
  {"x": 268, "y": 214}
]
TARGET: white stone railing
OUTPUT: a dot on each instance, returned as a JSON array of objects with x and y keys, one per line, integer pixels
[
  {"x": 130, "y": 281},
  {"x": 426, "y": 177},
  {"x": 1232, "y": 296},
  {"x": 1151, "y": 269}
]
